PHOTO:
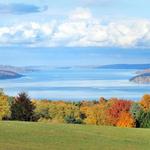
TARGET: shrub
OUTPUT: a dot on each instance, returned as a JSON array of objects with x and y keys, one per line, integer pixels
[{"x": 73, "y": 120}]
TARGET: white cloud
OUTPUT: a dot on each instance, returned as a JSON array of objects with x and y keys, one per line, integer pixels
[
  {"x": 81, "y": 28},
  {"x": 29, "y": 34}
]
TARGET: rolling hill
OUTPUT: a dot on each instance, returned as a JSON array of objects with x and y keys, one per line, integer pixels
[
  {"x": 44, "y": 136},
  {"x": 9, "y": 75}
]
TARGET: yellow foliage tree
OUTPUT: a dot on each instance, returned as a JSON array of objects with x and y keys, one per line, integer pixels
[
  {"x": 126, "y": 120},
  {"x": 95, "y": 114},
  {"x": 4, "y": 106},
  {"x": 55, "y": 112},
  {"x": 145, "y": 102}
]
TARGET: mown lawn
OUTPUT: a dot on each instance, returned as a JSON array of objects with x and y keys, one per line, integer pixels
[{"x": 44, "y": 136}]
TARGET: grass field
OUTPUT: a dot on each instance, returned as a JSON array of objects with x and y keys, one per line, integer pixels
[{"x": 42, "y": 136}]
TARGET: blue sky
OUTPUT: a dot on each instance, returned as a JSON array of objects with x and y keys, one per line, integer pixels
[
  {"x": 102, "y": 23},
  {"x": 100, "y": 8},
  {"x": 125, "y": 7},
  {"x": 123, "y": 26},
  {"x": 62, "y": 56}
]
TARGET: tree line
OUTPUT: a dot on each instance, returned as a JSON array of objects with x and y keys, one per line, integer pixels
[{"x": 112, "y": 112}]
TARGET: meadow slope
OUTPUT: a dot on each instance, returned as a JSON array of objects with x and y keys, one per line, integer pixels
[{"x": 44, "y": 136}]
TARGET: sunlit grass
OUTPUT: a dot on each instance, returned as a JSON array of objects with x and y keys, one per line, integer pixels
[{"x": 44, "y": 136}]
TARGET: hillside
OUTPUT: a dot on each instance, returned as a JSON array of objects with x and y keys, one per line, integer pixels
[
  {"x": 126, "y": 66},
  {"x": 143, "y": 71},
  {"x": 44, "y": 136},
  {"x": 12, "y": 72},
  {"x": 143, "y": 77},
  {"x": 17, "y": 69},
  {"x": 111, "y": 66},
  {"x": 9, "y": 75}
]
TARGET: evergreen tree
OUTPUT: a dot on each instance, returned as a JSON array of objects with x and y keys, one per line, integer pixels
[
  {"x": 22, "y": 108},
  {"x": 144, "y": 119}
]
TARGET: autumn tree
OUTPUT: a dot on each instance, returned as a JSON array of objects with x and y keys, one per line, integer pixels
[
  {"x": 126, "y": 120},
  {"x": 92, "y": 114},
  {"x": 145, "y": 102},
  {"x": 57, "y": 111},
  {"x": 96, "y": 113},
  {"x": 117, "y": 107},
  {"x": 4, "y": 106},
  {"x": 73, "y": 114},
  {"x": 41, "y": 110}
]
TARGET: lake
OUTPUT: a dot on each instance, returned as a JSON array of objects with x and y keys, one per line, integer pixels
[{"x": 77, "y": 84}]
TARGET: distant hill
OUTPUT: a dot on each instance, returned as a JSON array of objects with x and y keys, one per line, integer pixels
[
  {"x": 141, "y": 79},
  {"x": 17, "y": 69},
  {"x": 143, "y": 71},
  {"x": 111, "y": 66},
  {"x": 126, "y": 66},
  {"x": 9, "y": 75},
  {"x": 12, "y": 72}
]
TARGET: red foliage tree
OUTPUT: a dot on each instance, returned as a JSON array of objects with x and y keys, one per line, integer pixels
[{"x": 117, "y": 108}]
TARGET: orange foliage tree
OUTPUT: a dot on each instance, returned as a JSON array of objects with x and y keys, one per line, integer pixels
[
  {"x": 145, "y": 102},
  {"x": 126, "y": 120}
]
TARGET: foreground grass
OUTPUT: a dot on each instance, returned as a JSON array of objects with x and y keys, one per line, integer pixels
[{"x": 42, "y": 136}]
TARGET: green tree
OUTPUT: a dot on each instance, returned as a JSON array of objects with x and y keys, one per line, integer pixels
[
  {"x": 22, "y": 108},
  {"x": 144, "y": 119},
  {"x": 135, "y": 110}
]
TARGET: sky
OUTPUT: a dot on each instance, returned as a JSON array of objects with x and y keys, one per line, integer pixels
[
  {"x": 123, "y": 25},
  {"x": 75, "y": 56},
  {"x": 102, "y": 23}
]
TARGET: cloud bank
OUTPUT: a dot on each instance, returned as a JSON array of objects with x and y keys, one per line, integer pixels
[{"x": 80, "y": 29}]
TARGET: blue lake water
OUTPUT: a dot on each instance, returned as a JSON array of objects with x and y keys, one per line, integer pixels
[{"x": 77, "y": 84}]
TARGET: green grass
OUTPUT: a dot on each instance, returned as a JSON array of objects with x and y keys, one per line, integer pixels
[{"x": 44, "y": 136}]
